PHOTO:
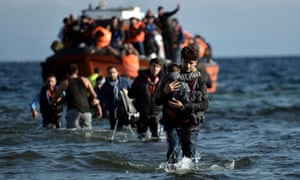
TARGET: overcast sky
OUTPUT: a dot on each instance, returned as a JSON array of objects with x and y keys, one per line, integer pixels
[{"x": 233, "y": 27}]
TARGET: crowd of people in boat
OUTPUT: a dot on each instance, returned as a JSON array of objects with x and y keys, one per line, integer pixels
[{"x": 153, "y": 36}]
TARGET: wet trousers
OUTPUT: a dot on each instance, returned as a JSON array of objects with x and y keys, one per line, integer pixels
[
  {"x": 144, "y": 122},
  {"x": 112, "y": 120},
  {"x": 79, "y": 120},
  {"x": 184, "y": 138},
  {"x": 52, "y": 122}
]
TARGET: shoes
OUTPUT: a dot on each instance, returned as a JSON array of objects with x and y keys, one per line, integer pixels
[
  {"x": 155, "y": 138},
  {"x": 142, "y": 137},
  {"x": 171, "y": 167}
]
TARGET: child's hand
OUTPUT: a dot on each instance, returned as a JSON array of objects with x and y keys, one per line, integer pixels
[
  {"x": 175, "y": 103},
  {"x": 172, "y": 87}
]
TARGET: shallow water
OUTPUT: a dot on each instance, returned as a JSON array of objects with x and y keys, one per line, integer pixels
[{"x": 252, "y": 131}]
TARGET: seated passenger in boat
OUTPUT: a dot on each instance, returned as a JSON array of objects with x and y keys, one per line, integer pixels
[
  {"x": 208, "y": 56},
  {"x": 102, "y": 36},
  {"x": 129, "y": 58},
  {"x": 136, "y": 34},
  {"x": 117, "y": 33},
  {"x": 87, "y": 25}
]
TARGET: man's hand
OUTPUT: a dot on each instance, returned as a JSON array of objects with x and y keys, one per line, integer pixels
[
  {"x": 178, "y": 7},
  {"x": 99, "y": 112},
  {"x": 125, "y": 91},
  {"x": 34, "y": 114},
  {"x": 95, "y": 101},
  {"x": 175, "y": 103}
]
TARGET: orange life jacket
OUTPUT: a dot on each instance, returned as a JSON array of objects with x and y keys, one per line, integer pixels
[
  {"x": 131, "y": 65},
  {"x": 135, "y": 35},
  {"x": 187, "y": 39},
  {"x": 203, "y": 46},
  {"x": 104, "y": 40},
  {"x": 213, "y": 71}
]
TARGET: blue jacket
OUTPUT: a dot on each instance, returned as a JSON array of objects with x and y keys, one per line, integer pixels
[{"x": 107, "y": 96}]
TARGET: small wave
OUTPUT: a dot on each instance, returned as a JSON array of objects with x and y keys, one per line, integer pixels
[
  {"x": 8, "y": 88},
  {"x": 273, "y": 110},
  {"x": 229, "y": 165},
  {"x": 245, "y": 162},
  {"x": 10, "y": 130},
  {"x": 186, "y": 166},
  {"x": 219, "y": 166},
  {"x": 115, "y": 161},
  {"x": 22, "y": 155}
]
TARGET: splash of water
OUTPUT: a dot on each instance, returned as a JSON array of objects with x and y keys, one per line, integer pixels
[{"x": 182, "y": 167}]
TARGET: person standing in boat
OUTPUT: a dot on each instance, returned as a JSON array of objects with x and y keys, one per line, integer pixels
[
  {"x": 109, "y": 93},
  {"x": 182, "y": 118},
  {"x": 142, "y": 91},
  {"x": 166, "y": 32},
  {"x": 178, "y": 39},
  {"x": 73, "y": 31},
  {"x": 62, "y": 34},
  {"x": 78, "y": 113},
  {"x": 51, "y": 114},
  {"x": 151, "y": 30}
]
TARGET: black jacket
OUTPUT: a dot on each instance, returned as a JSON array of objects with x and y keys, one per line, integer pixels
[
  {"x": 50, "y": 113},
  {"x": 144, "y": 101}
]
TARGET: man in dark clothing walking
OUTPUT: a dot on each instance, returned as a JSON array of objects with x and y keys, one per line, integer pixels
[
  {"x": 182, "y": 118},
  {"x": 109, "y": 93},
  {"x": 142, "y": 90}
]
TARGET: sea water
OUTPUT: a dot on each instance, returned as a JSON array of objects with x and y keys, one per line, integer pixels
[{"x": 252, "y": 131}]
